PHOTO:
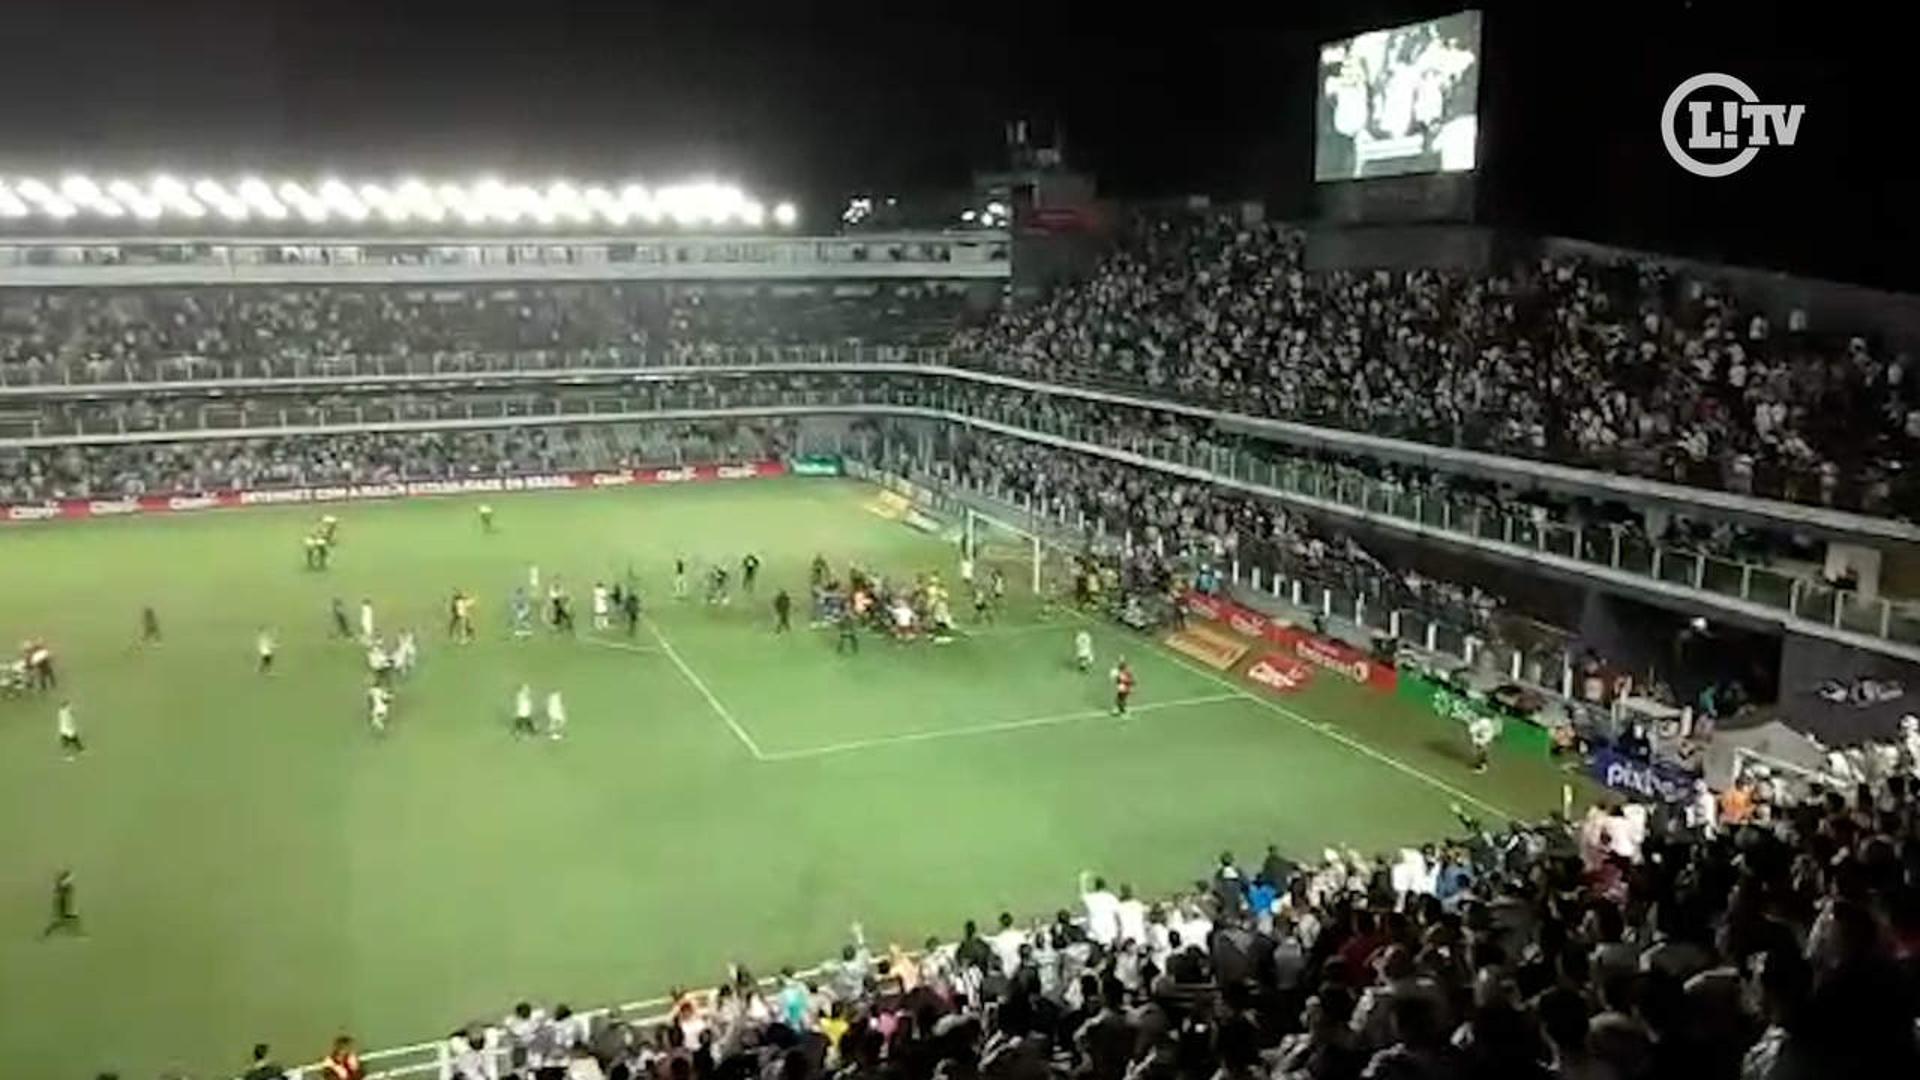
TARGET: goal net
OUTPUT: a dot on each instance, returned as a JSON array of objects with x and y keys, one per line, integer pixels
[{"x": 1036, "y": 570}]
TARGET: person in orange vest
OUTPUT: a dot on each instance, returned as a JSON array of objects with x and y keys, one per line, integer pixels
[{"x": 343, "y": 1063}]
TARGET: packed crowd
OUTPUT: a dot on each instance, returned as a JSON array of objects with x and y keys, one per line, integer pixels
[
  {"x": 1625, "y": 366},
  {"x": 1622, "y": 366},
  {"x": 132, "y": 469},
  {"x": 1179, "y": 517},
  {"x": 1765, "y": 937},
  {"x": 191, "y": 410},
  {"x": 194, "y": 410},
  {"x": 120, "y": 335}
]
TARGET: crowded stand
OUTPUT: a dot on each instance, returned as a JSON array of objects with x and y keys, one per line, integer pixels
[
  {"x": 121, "y": 470},
  {"x": 1771, "y": 934},
  {"x": 1600, "y": 528},
  {"x": 145, "y": 335},
  {"x": 1179, "y": 518},
  {"x": 1765, "y": 935},
  {"x": 1624, "y": 366}
]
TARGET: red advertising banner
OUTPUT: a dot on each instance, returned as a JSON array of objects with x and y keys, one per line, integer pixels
[
  {"x": 1280, "y": 674},
  {"x": 1336, "y": 656},
  {"x": 67, "y": 509}
]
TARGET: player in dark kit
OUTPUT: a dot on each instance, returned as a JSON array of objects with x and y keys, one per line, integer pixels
[
  {"x": 563, "y": 613},
  {"x": 848, "y": 639},
  {"x": 1122, "y": 687},
  {"x": 630, "y": 611},
  {"x": 782, "y": 612},
  {"x": 149, "y": 625},
  {"x": 341, "y": 628},
  {"x": 749, "y": 570},
  {"x": 66, "y": 916}
]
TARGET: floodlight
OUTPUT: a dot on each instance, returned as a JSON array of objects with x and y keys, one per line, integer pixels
[{"x": 786, "y": 215}]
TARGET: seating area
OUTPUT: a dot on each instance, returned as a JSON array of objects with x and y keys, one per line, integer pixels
[
  {"x": 1770, "y": 935},
  {"x": 1623, "y": 367}
]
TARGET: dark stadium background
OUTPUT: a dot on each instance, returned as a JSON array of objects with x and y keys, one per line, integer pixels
[{"x": 1154, "y": 99}]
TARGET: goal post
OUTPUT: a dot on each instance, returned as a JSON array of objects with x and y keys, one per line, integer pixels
[{"x": 1042, "y": 567}]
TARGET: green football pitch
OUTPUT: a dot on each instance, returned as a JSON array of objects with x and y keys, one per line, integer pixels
[{"x": 252, "y": 863}]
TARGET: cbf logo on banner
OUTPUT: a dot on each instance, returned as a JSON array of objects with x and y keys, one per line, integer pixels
[{"x": 1714, "y": 123}]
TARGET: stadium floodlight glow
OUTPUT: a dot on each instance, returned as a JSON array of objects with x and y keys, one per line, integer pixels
[
  {"x": 456, "y": 200},
  {"x": 383, "y": 202},
  {"x": 80, "y": 190},
  {"x": 128, "y": 194},
  {"x": 256, "y": 194},
  {"x": 996, "y": 209},
  {"x": 418, "y": 198},
  {"x": 640, "y": 203},
  {"x": 173, "y": 195},
  {"x": 600, "y": 201},
  {"x": 85, "y": 193},
  {"x": 528, "y": 202},
  {"x": 692, "y": 204},
  {"x": 211, "y": 193},
  {"x": 494, "y": 201},
  {"x": 308, "y": 205},
  {"x": 700, "y": 203},
  {"x": 340, "y": 198},
  {"x": 566, "y": 202}
]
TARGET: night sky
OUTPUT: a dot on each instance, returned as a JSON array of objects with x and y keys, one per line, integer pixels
[{"x": 822, "y": 100}]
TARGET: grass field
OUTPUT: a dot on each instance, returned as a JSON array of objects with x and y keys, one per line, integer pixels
[{"x": 252, "y": 864}]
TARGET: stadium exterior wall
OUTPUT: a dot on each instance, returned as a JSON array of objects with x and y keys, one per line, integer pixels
[{"x": 79, "y": 509}]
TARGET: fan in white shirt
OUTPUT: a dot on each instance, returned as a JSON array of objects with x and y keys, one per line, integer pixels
[
  {"x": 1131, "y": 916},
  {"x": 1103, "y": 908},
  {"x": 1007, "y": 943}
]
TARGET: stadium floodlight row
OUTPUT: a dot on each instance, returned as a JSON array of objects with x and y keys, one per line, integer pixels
[{"x": 487, "y": 201}]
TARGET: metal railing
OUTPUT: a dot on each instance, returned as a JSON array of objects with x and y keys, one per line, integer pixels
[
  {"x": 1437, "y": 511},
  {"x": 1430, "y": 511}
]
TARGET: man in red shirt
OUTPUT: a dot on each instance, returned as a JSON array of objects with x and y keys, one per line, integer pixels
[
  {"x": 1122, "y": 686},
  {"x": 343, "y": 1063}
]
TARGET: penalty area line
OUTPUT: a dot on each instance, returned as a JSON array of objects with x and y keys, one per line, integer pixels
[
  {"x": 719, "y": 709},
  {"x": 1334, "y": 733},
  {"x": 624, "y": 646},
  {"x": 987, "y": 729}
]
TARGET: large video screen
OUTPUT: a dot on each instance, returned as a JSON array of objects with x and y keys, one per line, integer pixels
[{"x": 1399, "y": 101}]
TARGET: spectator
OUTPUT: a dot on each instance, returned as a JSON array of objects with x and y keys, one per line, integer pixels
[{"x": 262, "y": 1066}]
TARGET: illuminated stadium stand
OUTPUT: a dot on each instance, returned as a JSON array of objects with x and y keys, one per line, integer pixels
[{"x": 879, "y": 381}]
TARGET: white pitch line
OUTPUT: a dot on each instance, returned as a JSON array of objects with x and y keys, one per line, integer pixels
[
  {"x": 610, "y": 643},
  {"x": 1335, "y": 734},
  {"x": 701, "y": 685},
  {"x": 985, "y": 729}
]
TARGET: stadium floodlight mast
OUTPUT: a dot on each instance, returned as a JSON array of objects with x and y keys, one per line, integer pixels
[{"x": 488, "y": 201}]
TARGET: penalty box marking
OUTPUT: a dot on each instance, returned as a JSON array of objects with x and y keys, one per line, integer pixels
[{"x": 1052, "y": 720}]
